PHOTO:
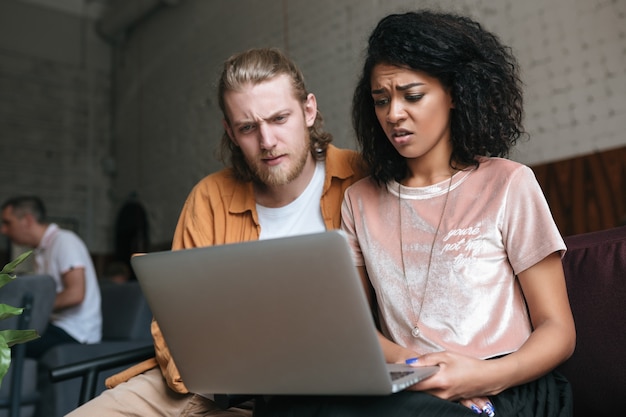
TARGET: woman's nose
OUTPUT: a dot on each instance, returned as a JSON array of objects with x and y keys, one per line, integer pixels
[{"x": 395, "y": 111}]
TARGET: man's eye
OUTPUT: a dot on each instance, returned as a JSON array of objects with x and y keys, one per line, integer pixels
[
  {"x": 280, "y": 119},
  {"x": 246, "y": 128}
]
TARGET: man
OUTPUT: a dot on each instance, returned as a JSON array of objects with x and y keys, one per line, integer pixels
[
  {"x": 76, "y": 316},
  {"x": 284, "y": 179}
]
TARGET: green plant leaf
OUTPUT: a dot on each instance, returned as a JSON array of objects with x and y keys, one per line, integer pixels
[
  {"x": 6, "y": 275},
  {"x": 5, "y": 359},
  {"x": 13, "y": 337},
  {"x": 9, "y": 338},
  {"x": 5, "y": 278},
  {"x": 10, "y": 267},
  {"x": 7, "y": 311}
]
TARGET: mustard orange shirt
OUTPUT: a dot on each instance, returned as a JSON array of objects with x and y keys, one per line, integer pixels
[{"x": 220, "y": 210}]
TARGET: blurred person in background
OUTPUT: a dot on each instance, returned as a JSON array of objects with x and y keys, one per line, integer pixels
[{"x": 60, "y": 253}]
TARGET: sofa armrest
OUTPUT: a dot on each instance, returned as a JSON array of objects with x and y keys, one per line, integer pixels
[
  {"x": 89, "y": 369},
  {"x": 595, "y": 271}
]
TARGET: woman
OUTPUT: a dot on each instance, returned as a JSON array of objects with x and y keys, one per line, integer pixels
[{"x": 456, "y": 246}]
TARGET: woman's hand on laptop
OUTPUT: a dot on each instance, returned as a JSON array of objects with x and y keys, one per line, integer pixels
[{"x": 456, "y": 380}]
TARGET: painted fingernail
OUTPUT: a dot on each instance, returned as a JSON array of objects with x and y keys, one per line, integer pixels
[
  {"x": 411, "y": 361},
  {"x": 475, "y": 409},
  {"x": 489, "y": 410}
]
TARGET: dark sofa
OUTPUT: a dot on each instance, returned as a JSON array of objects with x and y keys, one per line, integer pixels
[{"x": 595, "y": 270}]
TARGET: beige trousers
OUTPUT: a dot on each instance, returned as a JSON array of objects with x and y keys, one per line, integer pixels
[{"x": 147, "y": 395}]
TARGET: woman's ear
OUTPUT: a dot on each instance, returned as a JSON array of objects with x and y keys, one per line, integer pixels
[{"x": 449, "y": 93}]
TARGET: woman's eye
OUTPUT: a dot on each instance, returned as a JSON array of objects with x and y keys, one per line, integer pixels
[
  {"x": 381, "y": 101},
  {"x": 414, "y": 97}
]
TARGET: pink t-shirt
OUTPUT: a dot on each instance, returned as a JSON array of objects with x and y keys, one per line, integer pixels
[{"x": 496, "y": 224}]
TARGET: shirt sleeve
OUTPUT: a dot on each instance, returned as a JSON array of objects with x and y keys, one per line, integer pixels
[
  {"x": 348, "y": 226},
  {"x": 196, "y": 226},
  {"x": 528, "y": 230},
  {"x": 70, "y": 253}
]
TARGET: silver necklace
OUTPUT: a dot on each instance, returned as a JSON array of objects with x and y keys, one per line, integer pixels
[{"x": 415, "y": 330}]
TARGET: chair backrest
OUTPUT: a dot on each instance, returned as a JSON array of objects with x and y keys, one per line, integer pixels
[
  {"x": 43, "y": 289},
  {"x": 595, "y": 271},
  {"x": 125, "y": 312},
  {"x": 35, "y": 294}
]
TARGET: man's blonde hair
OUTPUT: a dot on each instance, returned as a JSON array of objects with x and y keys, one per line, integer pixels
[{"x": 255, "y": 66}]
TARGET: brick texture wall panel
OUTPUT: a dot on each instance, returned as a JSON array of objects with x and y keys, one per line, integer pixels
[{"x": 164, "y": 132}]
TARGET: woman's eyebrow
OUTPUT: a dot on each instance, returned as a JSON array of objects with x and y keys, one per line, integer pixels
[
  {"x": 408, "y": 86},
  {"x": 399, "y": 88}
]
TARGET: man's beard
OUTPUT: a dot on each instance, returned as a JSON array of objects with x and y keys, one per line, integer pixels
[{"x": 279, "y": 175}]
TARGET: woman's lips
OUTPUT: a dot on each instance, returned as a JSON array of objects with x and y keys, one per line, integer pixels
[{"x": 401, "y": 136}]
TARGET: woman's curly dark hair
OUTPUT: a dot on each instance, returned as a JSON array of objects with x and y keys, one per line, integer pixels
[{"x": 480, "y": 72}]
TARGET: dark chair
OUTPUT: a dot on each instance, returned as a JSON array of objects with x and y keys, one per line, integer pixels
[
  {"x": 35, "y": 294},
  {"x": 90, "y": 369},
  {"x": 595, "y": 271},
  {"x": 126, "y": 319}
]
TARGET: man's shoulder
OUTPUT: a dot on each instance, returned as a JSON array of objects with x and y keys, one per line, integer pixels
[
  {"x": 66, "y": 244},
  {"x": 223, "y": 178},
  {"x": 344, "y": 163},
  {"x": 64, "y": 234},
  {"x": 222, "y": 183},
  {"x": 341, "y": 153}
]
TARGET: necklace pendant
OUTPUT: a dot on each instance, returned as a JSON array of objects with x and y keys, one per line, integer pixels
[{"x": 415, "y": 332}]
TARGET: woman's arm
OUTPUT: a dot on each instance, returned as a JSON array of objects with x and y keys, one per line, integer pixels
[
  {"x": 551, "y": 342},
  {"x": 554, "y": 336}
]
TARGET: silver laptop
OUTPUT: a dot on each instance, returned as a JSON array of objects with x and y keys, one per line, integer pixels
[{"x": 278, "y": 316}]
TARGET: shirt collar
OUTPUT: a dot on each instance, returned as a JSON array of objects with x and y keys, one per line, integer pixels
[
  {"x": 51, "y": 230},
  {"x": 336, "y": 167}
]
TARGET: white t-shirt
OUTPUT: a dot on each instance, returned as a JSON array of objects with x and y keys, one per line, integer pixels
[
  {"x": 496, "y": 224},
  {"x": 58, "y": 252},
  {"x": 301, "y": 216}
]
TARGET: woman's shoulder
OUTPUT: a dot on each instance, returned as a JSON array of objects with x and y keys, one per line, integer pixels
[
  {"x": 502, "y": 174},
  {"x": 501, "y": 166},
  {"x": 365, "y": 185},
  {"x": 365, "y": 189}
]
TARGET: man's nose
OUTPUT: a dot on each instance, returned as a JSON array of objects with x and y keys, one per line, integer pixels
[{"x": 267, "y": 139}]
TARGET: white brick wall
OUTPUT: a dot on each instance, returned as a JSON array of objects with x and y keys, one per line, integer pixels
[
  {"x": 54, "y": 117},
  {"x": 167, "y": 126}
]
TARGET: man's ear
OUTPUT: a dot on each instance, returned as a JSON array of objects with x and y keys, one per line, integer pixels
[
  {"x": 310, "y": 109},
  {"x": 229, "y": 131}
]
